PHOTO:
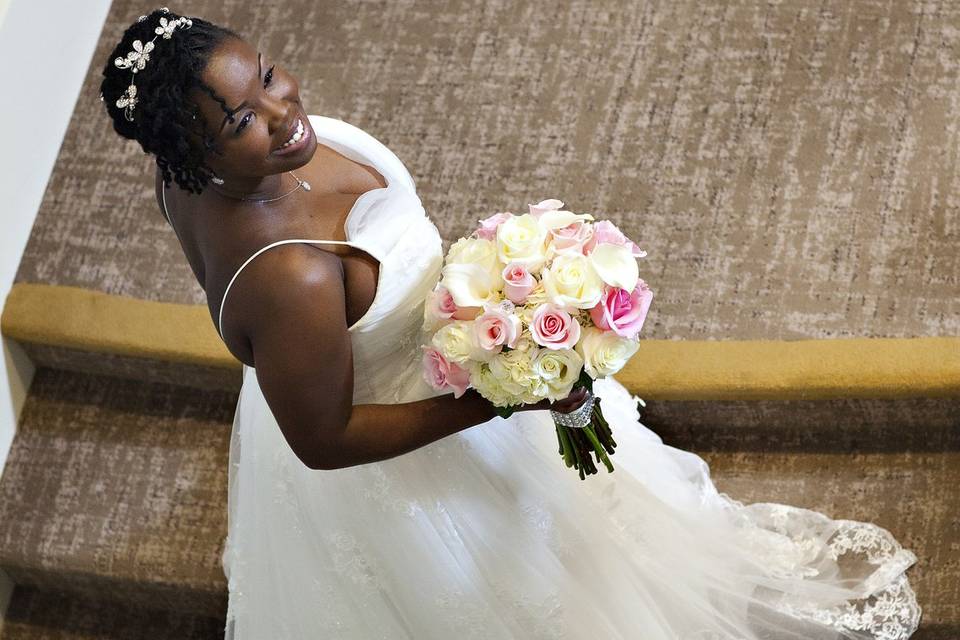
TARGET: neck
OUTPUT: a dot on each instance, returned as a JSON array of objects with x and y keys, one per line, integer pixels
[{"x": 255, "y": 188}]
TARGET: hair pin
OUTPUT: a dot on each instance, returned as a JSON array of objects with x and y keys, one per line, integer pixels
[{"x": 137, "y": 59}]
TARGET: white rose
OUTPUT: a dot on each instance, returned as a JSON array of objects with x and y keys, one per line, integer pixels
[
  {"x": 604, "y": 353},
  {"x": 522, "y": 239},
  {"x": 559, "y": 369},
  {"x": 456, "y": 341},
  {"x": 571, "y": 281},
  {"x": 616, "y": 265},
  {"x": 476, "y": 251}
]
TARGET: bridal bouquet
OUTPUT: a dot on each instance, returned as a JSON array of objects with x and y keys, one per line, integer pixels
[{"x": 530, "y": 307}]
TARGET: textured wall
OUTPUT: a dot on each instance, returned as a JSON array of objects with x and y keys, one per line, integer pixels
[{"x": 791, "y": 167}]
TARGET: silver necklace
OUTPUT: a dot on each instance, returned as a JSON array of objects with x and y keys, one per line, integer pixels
[{"x": 300, "y": 183}]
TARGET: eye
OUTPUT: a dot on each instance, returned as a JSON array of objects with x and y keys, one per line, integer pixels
[
  {"x": 243, "y": 123},
  {"x": 267, "y": 78}
]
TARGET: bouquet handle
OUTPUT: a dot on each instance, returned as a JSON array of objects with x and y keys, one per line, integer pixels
[{"x": 583, "y": 432}]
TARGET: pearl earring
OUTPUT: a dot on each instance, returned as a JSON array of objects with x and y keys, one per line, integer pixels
[{"x": 216, "y": 180}]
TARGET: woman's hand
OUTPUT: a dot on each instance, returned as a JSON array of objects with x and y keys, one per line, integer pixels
[{"x": 571, "y": 403}]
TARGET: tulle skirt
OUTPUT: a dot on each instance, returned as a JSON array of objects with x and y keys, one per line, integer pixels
[{"x": 486, "y": 534}]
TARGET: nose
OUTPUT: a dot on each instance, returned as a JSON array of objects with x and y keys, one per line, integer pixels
[{"x": 278, "y": 112}]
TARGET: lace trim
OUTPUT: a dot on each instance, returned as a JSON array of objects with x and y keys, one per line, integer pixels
[
  {"x": 892, "y": 614},
  {"x": 887, "y": 609}
]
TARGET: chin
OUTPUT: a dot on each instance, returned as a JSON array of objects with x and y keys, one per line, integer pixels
[{"x": 310, "y": 151}]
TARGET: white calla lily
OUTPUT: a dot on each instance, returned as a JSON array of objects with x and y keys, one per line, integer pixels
[
  {"x": 558, "y": 219},
  {"x": 615, "y": 265},
  {"x": 471, "y": 284}
]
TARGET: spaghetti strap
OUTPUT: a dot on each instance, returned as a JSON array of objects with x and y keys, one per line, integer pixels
[
  {"x": 163, "y": 197},
  {"x": 248, "y": 260}
]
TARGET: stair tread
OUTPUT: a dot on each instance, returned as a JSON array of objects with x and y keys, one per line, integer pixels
[
  {"x": 37, "y": 615},
  {"x": 114, "y": 477}
]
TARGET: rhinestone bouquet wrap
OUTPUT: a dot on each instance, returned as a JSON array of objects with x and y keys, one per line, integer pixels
[{"x": 532, "y": 306}]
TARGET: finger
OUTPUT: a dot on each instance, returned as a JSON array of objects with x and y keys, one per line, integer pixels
[
  {"x": 570, "y": 406},
  {"x": 575, "y": 402}
]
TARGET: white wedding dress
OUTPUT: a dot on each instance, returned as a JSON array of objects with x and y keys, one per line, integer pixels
[{"x": 486, "y": 534}]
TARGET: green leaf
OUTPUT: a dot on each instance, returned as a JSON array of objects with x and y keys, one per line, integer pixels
[{"x": 506, "y": 412}]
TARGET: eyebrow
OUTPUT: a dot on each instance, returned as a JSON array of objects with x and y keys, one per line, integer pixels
[{"x": 244, "y": 103}]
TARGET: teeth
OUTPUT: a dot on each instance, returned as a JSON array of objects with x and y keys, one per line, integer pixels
[{"x": 296, "y": 136}]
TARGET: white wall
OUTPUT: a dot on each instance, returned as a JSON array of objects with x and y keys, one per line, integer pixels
[{"x": 46, "y": 46}]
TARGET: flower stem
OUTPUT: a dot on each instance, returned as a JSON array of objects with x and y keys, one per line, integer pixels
[
  {"x": 598, "y": 448},
  {"x": 565, "y": 444}
]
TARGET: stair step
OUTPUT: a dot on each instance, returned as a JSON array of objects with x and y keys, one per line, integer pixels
[
  {"x": 41, "y": 615},
  {"x": 95, "y": 332},
  {"x": 833, "y": 424},
  {"x": 118, "y": 487}
]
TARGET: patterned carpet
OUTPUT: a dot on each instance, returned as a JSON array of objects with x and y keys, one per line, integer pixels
[{"x": 790, "y": 166}]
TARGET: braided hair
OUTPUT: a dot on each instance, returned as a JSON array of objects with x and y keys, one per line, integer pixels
[{"x": 166, "y": 122}]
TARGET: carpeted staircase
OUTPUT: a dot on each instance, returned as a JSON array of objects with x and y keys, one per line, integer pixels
[
  {"x": 790, "y": 167},
  {"x": 113, "y": 509}
]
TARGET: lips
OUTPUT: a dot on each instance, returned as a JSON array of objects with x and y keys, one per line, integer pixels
[{"x": 291, "y": 129}]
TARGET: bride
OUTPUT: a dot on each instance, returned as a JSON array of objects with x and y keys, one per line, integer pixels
[{"x": 362, "y": 503}]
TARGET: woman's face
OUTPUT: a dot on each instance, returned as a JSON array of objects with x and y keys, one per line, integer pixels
[{"x": 265, "y": 102}]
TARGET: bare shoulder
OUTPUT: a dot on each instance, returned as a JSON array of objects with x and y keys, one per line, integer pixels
[
  {"x": 290, "y": 291},
  {"x": 290, "y": 309}
]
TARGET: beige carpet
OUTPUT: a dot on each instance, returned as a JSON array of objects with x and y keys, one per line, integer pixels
[
  {"x": 791, "y": 167},
  {"x": 117, "y": 489}
]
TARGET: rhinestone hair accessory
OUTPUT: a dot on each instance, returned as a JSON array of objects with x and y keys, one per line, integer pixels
[{"x": 137, "y": 59}]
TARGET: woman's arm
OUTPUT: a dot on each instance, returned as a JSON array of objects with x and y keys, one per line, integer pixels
[{"x": 381, "y": 431}]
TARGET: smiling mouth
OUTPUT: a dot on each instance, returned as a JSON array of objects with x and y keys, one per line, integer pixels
[{"x": 298, "y": 134}]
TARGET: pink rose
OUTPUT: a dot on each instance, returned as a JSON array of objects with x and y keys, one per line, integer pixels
[
  {"x": 554, "y": 328},
  {"x": 488, "y": 226},
  {"x": 441, "y": 374},
  {"x": 496, "y": 328},
  {"x": 571, "y": 238},
  {"x": 441, "y": 303},
  {"x": 536, "y": 210},
  {"x": 623, "y": 312},
  {"x": 517, "y": 282},
  {"x": 606, "y": 231}
]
